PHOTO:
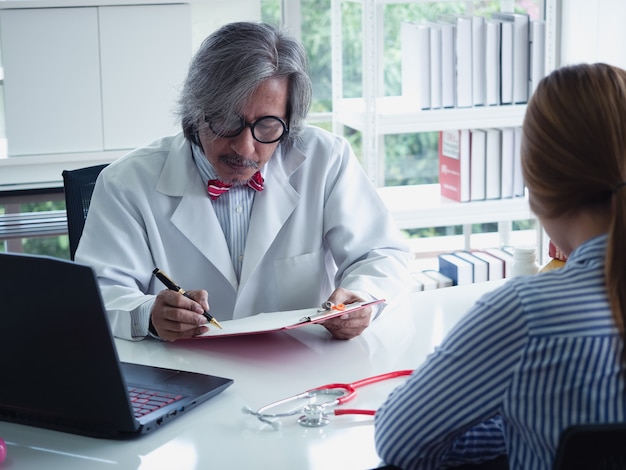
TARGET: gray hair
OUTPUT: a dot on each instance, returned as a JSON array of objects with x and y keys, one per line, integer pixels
[{"x": 231, "y": 63}]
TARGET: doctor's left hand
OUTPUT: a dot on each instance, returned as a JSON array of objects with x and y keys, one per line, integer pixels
[{"x": 351, "y": 324}]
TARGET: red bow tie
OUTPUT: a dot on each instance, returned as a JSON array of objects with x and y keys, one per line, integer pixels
[{"x": 216, "y": 187}]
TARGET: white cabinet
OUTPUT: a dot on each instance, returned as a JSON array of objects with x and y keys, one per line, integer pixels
[
  {"x": 145, "y": 52},
  {"x": 52, "y": 80},
  {"x": 93, "y": 78}
]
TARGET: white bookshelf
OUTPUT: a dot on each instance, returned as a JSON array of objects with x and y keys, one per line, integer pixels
[{"x": 375, "y": 116}]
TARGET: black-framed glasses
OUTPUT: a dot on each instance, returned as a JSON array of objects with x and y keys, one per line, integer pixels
[{"x": 266, "y": 129}]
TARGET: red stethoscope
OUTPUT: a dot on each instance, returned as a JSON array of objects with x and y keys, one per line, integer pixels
[{"x": 316, "y": 414}]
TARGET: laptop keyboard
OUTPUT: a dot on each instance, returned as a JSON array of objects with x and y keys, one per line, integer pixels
[{"x": 146, "y": 401}]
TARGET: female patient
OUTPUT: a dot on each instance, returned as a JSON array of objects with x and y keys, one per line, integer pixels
[{"x": 543, "y": 352}]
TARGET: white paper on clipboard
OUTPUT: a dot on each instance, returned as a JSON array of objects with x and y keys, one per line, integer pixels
[{"x": 276, "y": 321}]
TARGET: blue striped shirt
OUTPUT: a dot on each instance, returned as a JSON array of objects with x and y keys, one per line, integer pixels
[
  {"x": 529, "y": 359},
  {"x": 233, "y": 210}
]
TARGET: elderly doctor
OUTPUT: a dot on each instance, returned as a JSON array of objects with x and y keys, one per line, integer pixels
[{"x": 248, "y": 209}]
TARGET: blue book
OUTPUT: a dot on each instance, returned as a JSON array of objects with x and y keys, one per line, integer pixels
[{"x": 459, "y": 270}]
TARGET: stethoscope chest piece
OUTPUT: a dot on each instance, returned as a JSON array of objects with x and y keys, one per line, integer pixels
[{"x": 313, "y": 417}]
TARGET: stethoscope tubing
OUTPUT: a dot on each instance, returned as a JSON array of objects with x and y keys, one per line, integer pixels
[
  {"x": 347, "y": 392},
  {"x": 351, "y": 387}
]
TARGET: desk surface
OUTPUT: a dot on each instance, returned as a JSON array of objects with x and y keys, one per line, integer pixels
[{"x": 265, "y": 368}]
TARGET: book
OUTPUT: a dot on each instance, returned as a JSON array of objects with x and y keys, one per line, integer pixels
[
  {"x": 415, "y": 62},
  {"x": 557, "y": 258},
  {"x": 454, "y": 164},
  {"x": 493, "y": 164},
  {"x": 518, "y": 177},
  {"x": 506, "y": 62},
  {"x": 427, "y": 282},
  {"x": 520, "y": 22},
  {"x": 508, "y": 161},
  {"x": 435, "y": 65},
  {"x": 459, "y": 270},
  {"x": 478, "y": 60},
  {"x": 286, "y": 320},
  {"x": 555, "y": 252},
  {"x": 481, "y": 268},
  {"x": 463, "y": 41},
  {"x": 477, "y": 164},
  {"x": 495, "y": 265},
  {"x": 416, "y": 285},
  {"x": 507, "y": 258},
  {"x": 448, "y": 74},
  {"x": 552, "y": 264},
  {"x": 492, "y": 61},
  {"x": 441, "y": 279},
  {"x": 537, "y": 65}
]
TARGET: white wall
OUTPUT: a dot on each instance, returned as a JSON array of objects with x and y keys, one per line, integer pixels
[
  {"x": 209, "y": 15},
  {"x": 594, "y": 31}
]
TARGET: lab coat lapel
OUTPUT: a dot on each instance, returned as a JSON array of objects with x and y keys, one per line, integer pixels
[
  {"x": 271, "y": 209},
  {"x": 194, "y": 216}
]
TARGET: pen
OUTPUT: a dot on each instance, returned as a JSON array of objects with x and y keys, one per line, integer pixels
[{"x": 171, "y": 285}]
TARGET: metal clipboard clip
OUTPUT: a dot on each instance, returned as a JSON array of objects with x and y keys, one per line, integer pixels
[
  {"x": 330, "y": 309},
  {"x": 327, "y": 308}
]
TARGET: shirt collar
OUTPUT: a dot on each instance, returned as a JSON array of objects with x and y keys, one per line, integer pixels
[
  {"x": 592, "y": 250},
  {"x": 202, "y": 163}
]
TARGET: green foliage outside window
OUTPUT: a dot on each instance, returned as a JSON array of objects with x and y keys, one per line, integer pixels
[
  {"x": 52, "y": 246},
  {"x": 58, "y": 247},
  {"x": 409, "y": 158}
]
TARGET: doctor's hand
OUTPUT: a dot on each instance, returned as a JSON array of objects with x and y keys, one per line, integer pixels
[
  {"x": 351, "y": 324},
  {"x": 174, "y": 316}
]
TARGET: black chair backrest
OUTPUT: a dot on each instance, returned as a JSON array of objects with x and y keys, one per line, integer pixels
[
  {"x": 592, "y": 446},
  {"x": 78, "y": 185}
]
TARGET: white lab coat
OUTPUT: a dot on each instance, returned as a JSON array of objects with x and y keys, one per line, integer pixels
[{"x": 319, "y": 224}]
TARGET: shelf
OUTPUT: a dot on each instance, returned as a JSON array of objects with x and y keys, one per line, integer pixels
[
  {"x": 44, "y": 171},
  {"x": 20, "y": 4},
  {"x": 423, "y": 206},
  {"x": 395, "y": 115}
]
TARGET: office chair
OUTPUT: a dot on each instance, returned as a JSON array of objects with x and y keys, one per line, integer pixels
[
  {"x": 592, "y": 446},
  {"x": 78, "y": 185}
]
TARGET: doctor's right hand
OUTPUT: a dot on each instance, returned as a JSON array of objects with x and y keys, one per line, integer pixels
[{"x": 174, "y": 316}]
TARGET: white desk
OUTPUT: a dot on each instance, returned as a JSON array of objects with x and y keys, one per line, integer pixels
[{"x": 265, "y": 368}]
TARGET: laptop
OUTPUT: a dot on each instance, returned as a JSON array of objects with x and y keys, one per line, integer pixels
[{"x": 58, "y": 361}]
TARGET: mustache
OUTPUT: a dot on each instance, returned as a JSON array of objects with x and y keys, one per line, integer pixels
[{"x": 238, "y": 161}]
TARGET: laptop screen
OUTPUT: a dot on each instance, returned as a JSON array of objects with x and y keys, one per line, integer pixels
[{"x": 61, "y": 367}]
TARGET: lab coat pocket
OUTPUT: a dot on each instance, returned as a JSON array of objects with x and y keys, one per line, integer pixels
[{"x": 302, "y": 281}]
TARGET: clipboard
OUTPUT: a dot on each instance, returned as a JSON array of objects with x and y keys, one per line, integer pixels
[{"x": 277, "y": 321}]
